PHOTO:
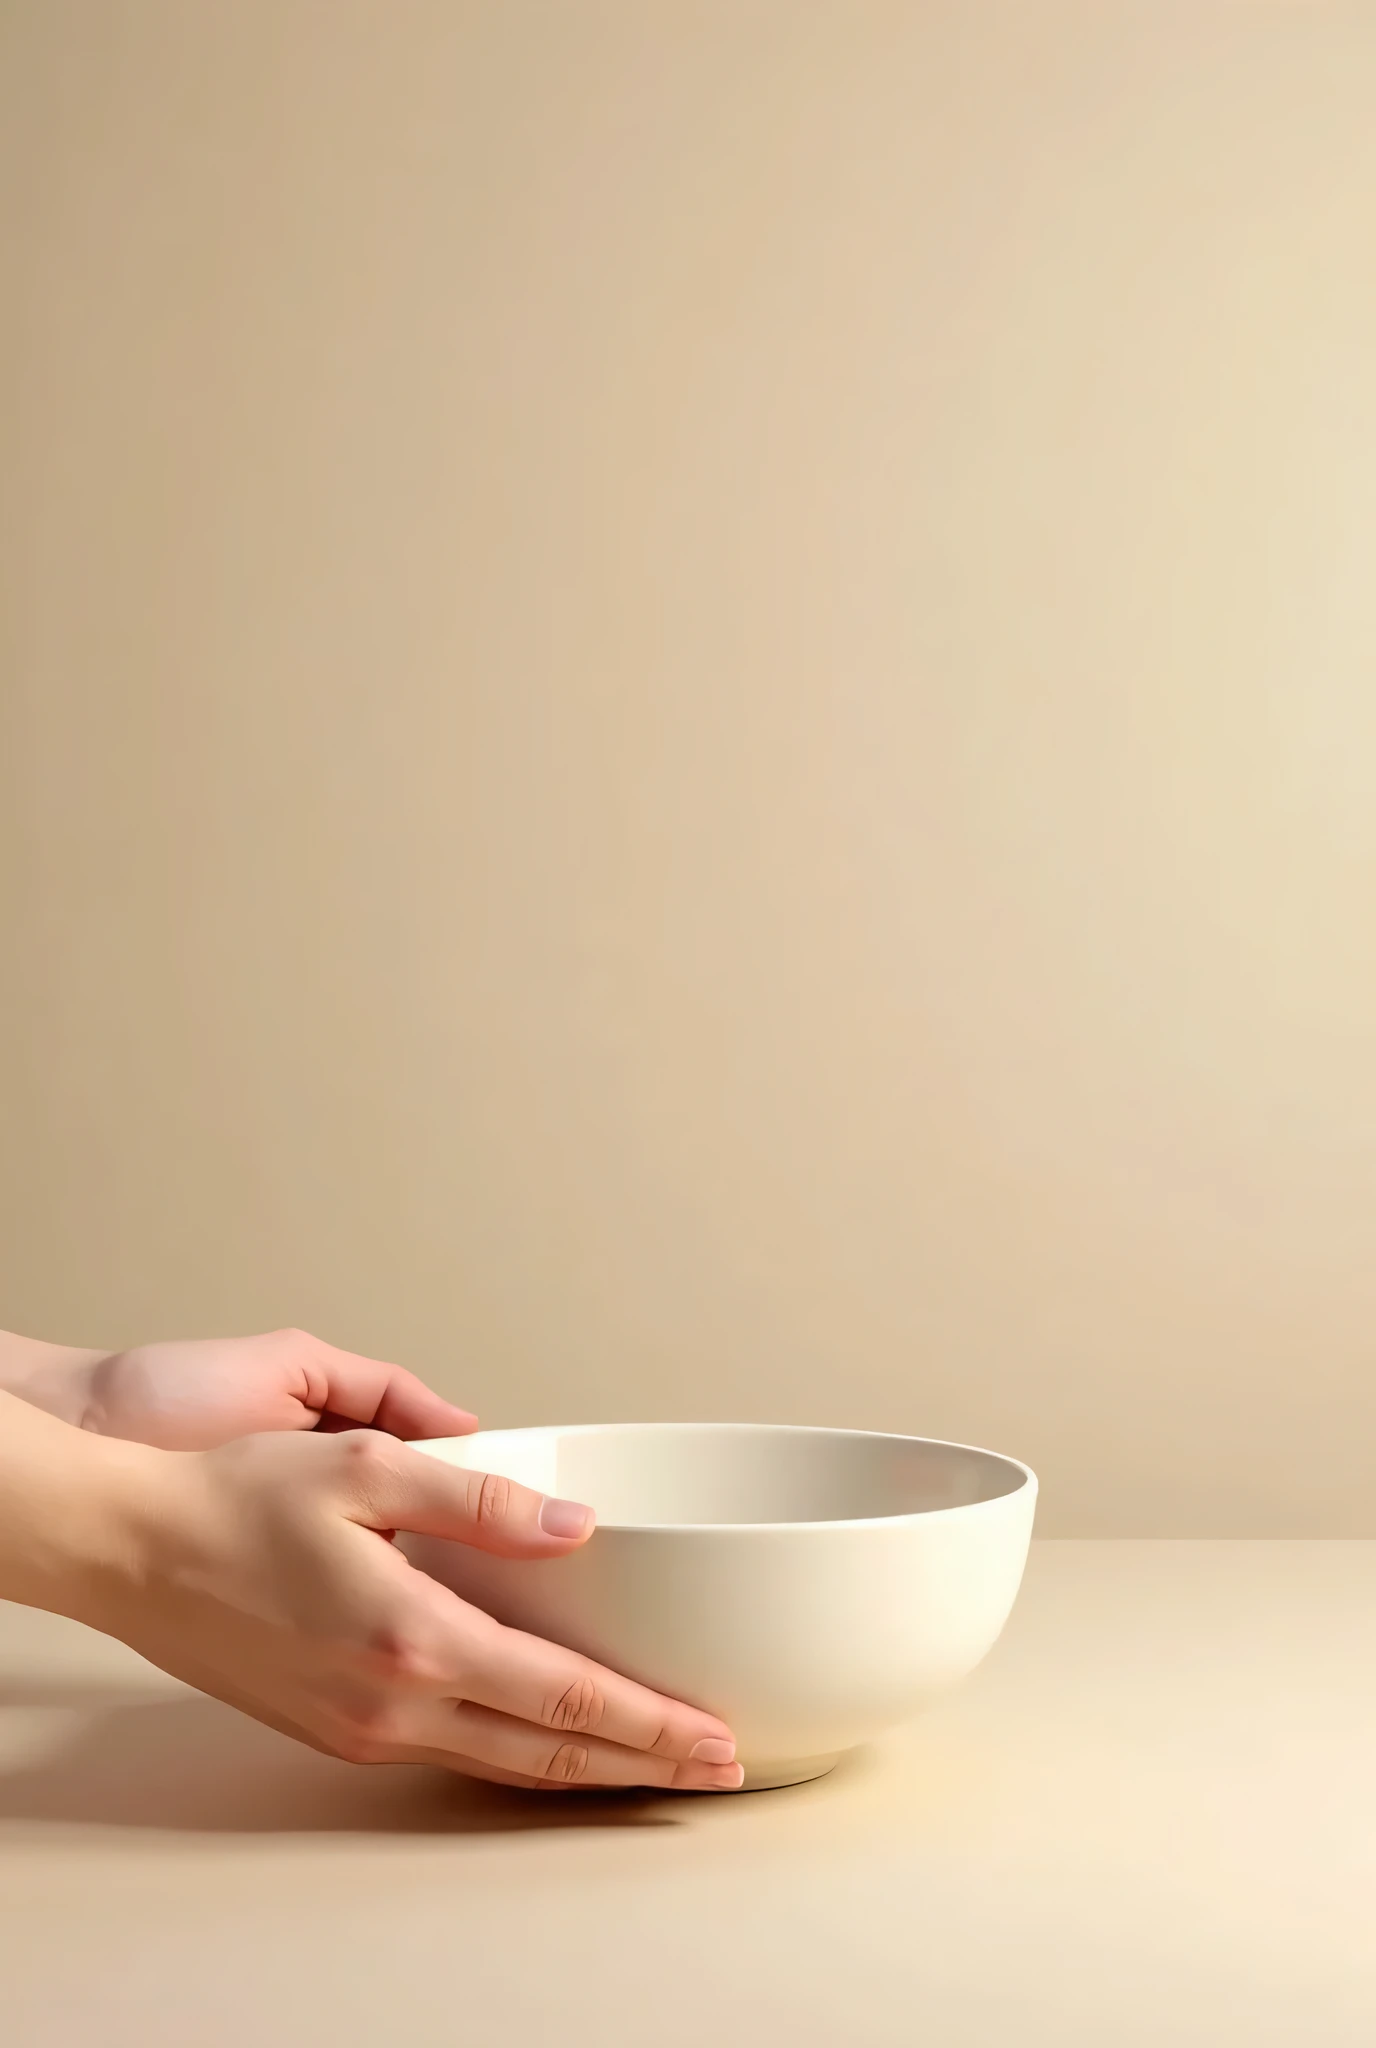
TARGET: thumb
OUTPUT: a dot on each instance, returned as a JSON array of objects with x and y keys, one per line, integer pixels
[{"x": 392, "y": 1486}]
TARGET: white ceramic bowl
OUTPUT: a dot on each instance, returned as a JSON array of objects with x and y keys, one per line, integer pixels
[{"x": 811, "y": 1586}]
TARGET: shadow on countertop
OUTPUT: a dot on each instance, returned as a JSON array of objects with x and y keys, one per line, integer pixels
[{"x": 189, "y": 1764}]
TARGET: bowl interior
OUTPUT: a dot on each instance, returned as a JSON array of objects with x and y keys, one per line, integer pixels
[{"x": 680, "y": 1473}]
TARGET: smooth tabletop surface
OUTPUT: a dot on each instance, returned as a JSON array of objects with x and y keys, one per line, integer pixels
[{"x": 1150, "y": 1818}]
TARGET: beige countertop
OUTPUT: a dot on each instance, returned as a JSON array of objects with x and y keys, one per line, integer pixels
[{"x": 1151, "y": 1818}]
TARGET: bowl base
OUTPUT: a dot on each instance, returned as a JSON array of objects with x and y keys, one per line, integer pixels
[{"x": 767, "y": 1777}]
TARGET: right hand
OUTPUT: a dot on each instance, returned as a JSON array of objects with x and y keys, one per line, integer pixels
[{"x": 264, "y": 1573}]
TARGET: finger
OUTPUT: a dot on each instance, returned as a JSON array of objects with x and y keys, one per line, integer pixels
[
  {"x": 341, "y": 1384},
  {"x": 393, "y": 1487},
  {"x": 461, "y": 1734},
  {"x": 534, "y": 1681}
]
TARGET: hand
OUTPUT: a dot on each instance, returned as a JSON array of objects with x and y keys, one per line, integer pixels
[
  {"x": 193, "y": 1395},
  {"x": 264, "y": 1574}
]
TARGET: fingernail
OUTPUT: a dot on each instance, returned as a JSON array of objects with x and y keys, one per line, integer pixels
[
  {"x": 713, "y": 1749},
  {"x": 708, "y": 1778},
  {"x": 565, "y": 1518}
]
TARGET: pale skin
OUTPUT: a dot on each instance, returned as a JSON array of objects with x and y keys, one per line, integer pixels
[{"x": 227, "y": 1508}]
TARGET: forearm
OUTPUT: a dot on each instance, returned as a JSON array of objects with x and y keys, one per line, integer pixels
[
  {"x": 69, "y": 1511},
  {"x": 56, "y": 1377}
]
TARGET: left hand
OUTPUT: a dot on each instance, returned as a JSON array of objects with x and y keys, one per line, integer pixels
[{"x": 195, "y": 1394}]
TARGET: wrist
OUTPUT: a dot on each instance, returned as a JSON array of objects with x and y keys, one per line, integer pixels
[
  {"x": 58, "y": 1378},
  {"x": 77, "y": 1515}
]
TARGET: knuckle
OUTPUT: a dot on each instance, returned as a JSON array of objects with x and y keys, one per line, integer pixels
[
  {"x": 366, "y": 1731},
  {"x": 401, "y": 1655},
  {"x": 357, "y": 1738},
  {"x": 579, "y": 1708},
  {"x": 364, "y": 1450},
  {"x": 351, "y": 1746},
  {"x": 568, "y": 1765},
  {"x": 489, "y": 1499}
]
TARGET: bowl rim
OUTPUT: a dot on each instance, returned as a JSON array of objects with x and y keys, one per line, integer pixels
[{"x": 1027, "y": 1486}]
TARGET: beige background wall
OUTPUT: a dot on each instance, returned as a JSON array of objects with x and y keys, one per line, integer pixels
[{"x": 689, "y": 707}]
